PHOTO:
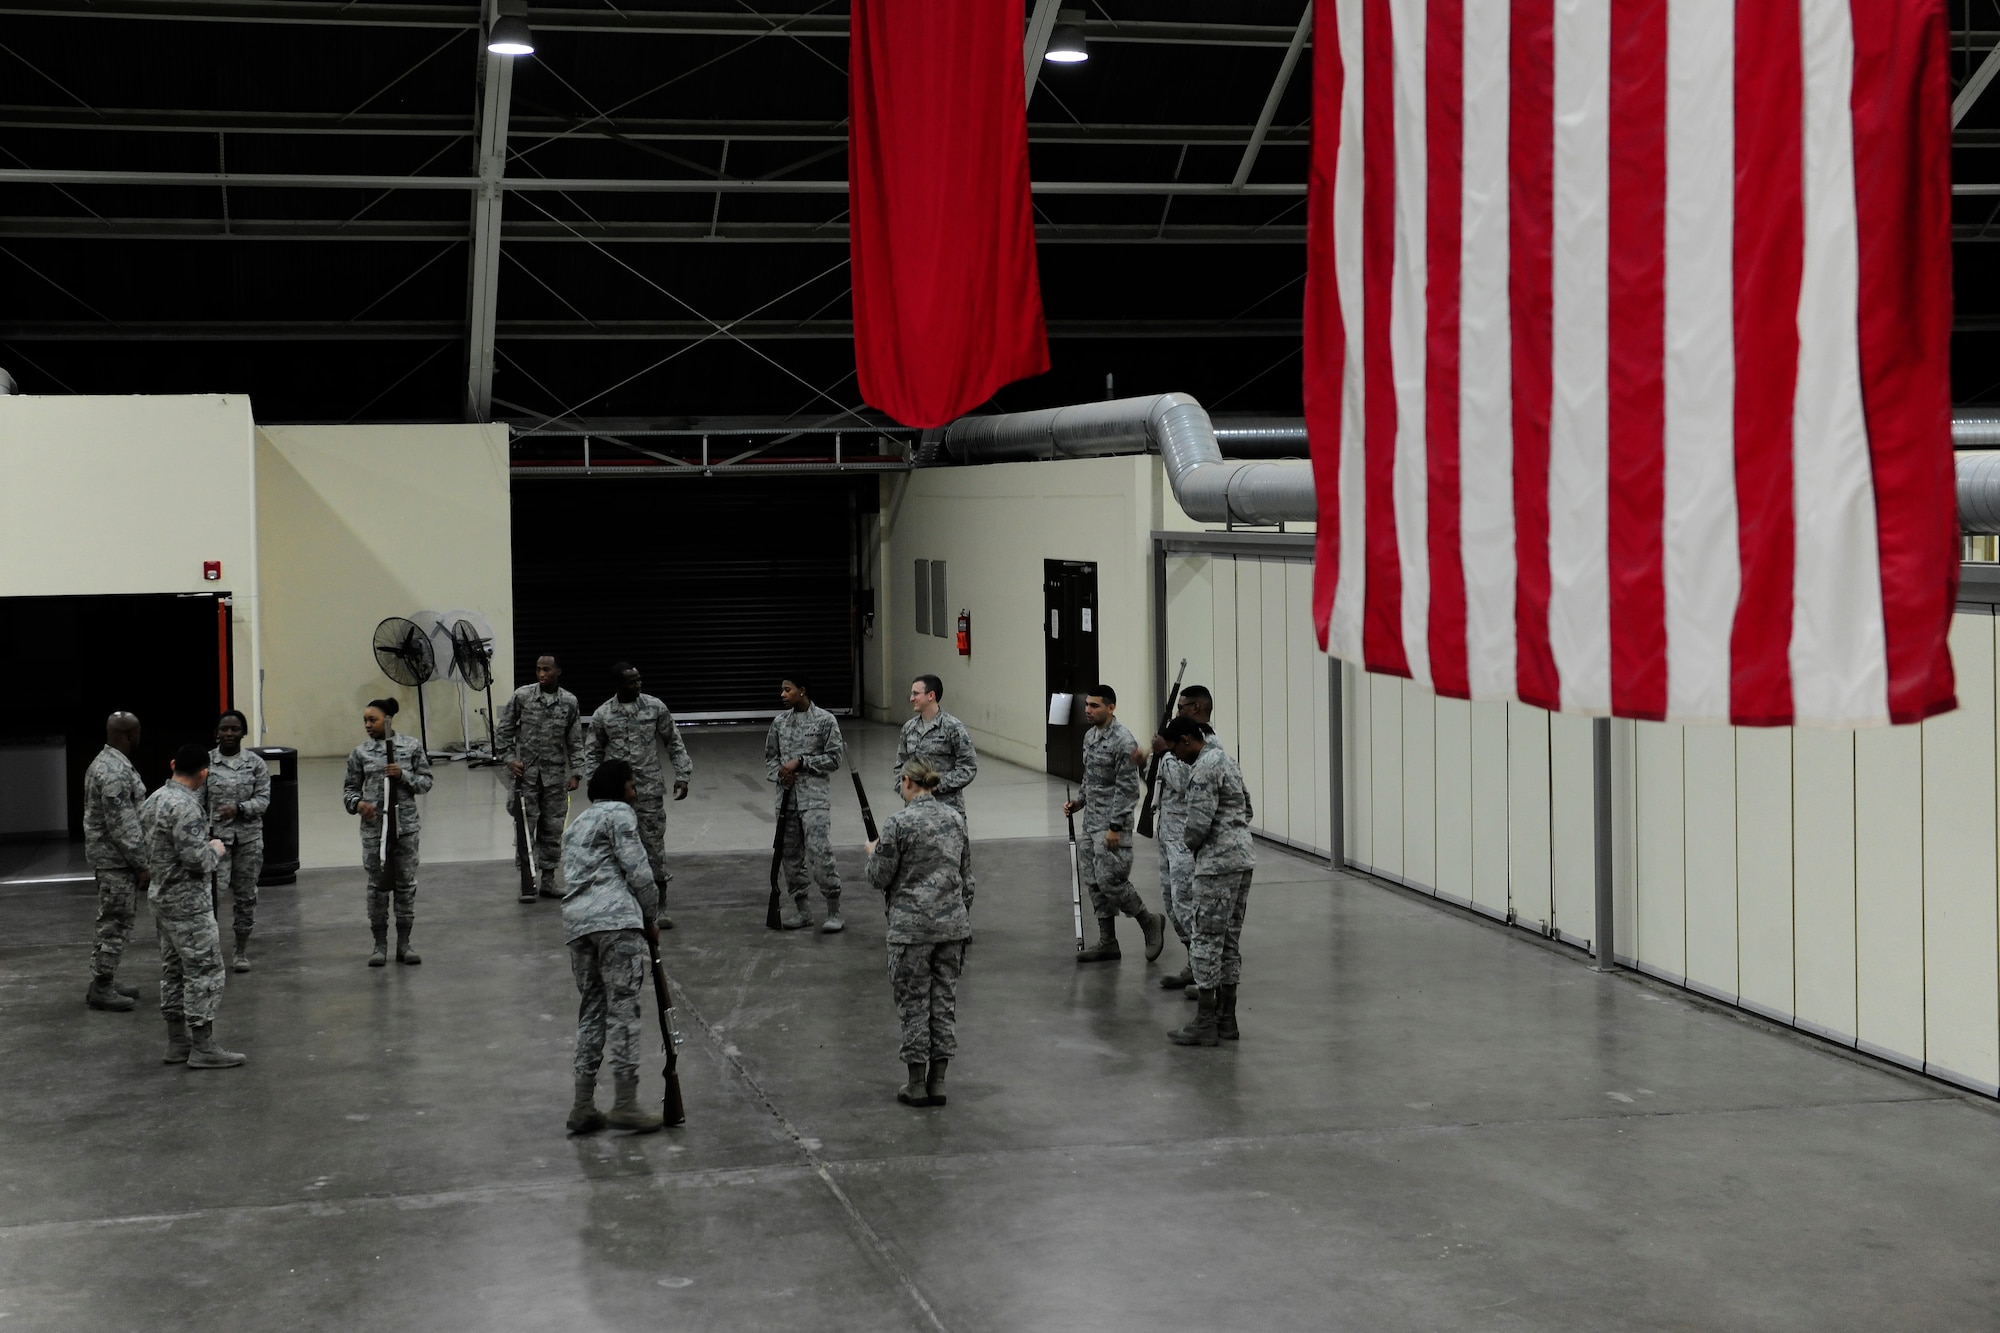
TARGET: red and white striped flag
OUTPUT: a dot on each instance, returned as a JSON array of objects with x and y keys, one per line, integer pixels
[{"x": 1627, "y": 353}]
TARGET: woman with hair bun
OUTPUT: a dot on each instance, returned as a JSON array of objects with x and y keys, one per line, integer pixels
[
  {"x": 369, "y": 765},
  {"x": 922, "y": 864}
]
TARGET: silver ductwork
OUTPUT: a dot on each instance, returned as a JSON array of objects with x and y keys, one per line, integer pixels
[
  {"x": 1173, "y": 425},
  {"x": 1978, "y": 490}
]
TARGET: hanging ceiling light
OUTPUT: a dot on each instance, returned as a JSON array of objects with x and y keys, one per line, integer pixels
[
  {"x": 510, "y": 35},
  {"x": 1066, "y": 44}
]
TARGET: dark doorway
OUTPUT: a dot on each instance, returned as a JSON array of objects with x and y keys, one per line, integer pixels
[
  {"x": 715, "y": 588},
  {"x": 1069, "y": 631},
  {"x": 164, "y": 656}
]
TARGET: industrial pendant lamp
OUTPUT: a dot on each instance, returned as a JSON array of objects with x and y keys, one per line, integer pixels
[
  {"x": 510, "y": 35},
  {"x": 1066, "y": 44}
]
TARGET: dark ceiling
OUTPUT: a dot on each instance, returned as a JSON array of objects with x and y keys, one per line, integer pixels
[{"x": 349, "y": 301}]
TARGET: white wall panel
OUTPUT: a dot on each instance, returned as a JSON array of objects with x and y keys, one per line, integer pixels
[
  {"x": 1191, "y": 617},
  {"x": 1244, "y": 732},
  {"x": 1305, "y": 711},
  {"x": 1823, "y": 881},
  {"x": 1360, "y": 740},
  {"x": 1385, "y": 698},
  {"x": 1572, "y": 822},
  {"x": 1488, "y": 790},
  {"x": 1528, "y": 814},
  {"x": 1660, "y": 852},
  {"x": 1274, "y": 807},
  {"x": 1624, "y": 836},
  {"x": 1454, "y": 798},
  {"x": 1889, "y": 891},
  {"x": 1229, "y": 651},
  {"x": 1708, "y": 799},
  {"x": 1961, "y": 880},
  {"x": 1419, "y": 785},
  {"x": 1764, "y": 870}
]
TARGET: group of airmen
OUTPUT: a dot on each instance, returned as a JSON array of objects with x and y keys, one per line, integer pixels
[{"x": 201, "y": 833}]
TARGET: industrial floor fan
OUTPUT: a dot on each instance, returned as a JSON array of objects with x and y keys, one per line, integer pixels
[
  {"x": 403, "y": 651},
  {"x": 472, "y": 659}
]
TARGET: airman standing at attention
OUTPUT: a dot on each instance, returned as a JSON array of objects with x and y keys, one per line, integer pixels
[
  {"x": 115, "y": 846},
  {"x": 801, "y": 748},
  {"x": 541, "y": 737},
  {"x": 631, "y": 725},
  {"x": 940, "y": 740},
  {"x": 237, "y": 793}
]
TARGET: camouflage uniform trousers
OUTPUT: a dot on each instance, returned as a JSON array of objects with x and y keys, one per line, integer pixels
[
  {"x": 1107, "y": 873},
  {"x": 1216, "y": 949},
  {"x": 808, "y": 855},
  {"x": 610, "y": 970},
  {"x": 651, "y": 808},
  {"x": 117, "y": 906},
  {"x": 924, "y": 979},
  {"x": 545, "y": 806},
  {"x": 242, "y": 862},
  {"x": 190, "y": 962},
  {"x": 1177, "y": 885},
  {"x": 402, "y": 879}
]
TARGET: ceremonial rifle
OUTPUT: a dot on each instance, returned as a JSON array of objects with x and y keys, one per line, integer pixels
[
  {"x": 388, "y": 799},
  {"x": 524, "y": 860},
  {"x": 1075, "y": 882},
  {"x": 1153, "y": 769},
  {"x": 773, "y": 918},
  {"x": 867, "y": 815},
  {"x": 671, "y": 1110}
]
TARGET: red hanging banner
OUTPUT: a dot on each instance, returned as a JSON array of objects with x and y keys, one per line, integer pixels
[{"x": 947, "y": 300}]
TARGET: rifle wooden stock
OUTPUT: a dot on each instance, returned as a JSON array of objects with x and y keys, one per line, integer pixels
[
  {"x": 1153, "y": 769},
  {"x": 672, "y": 1110},
  {"x": 867, "y": 815},
  {"x": 773, "y": 918},
  {"x": 524, "y": 859}
]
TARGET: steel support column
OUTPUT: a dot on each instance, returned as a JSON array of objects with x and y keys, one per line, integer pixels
[{"x": 482, "y": 307}]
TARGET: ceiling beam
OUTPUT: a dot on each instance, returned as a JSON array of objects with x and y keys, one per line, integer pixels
[
  {"x": 828, "y": 27},
  {"x": 1035, "y": 44},
  {"x": 1277, "y": 93},
  {"x": 654, "y": 330},
  {"x": 131, "y": 120},
  {"x": 526, "y": 231},
  {"x": 616, "y": 185}
]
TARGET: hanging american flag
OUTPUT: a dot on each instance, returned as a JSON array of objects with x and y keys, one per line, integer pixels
[{"x": 1627, "y": 351}]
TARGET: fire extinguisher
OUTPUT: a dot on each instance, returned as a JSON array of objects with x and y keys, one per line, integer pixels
[{"x": 964, "y": 632}]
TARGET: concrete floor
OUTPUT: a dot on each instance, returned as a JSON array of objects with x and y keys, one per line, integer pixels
[{"x": 1429, "y": 1124}]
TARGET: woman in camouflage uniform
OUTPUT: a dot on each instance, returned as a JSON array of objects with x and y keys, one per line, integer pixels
[
  {"x": 237, "y": 794},
  {"x": 369, "y": 764},
  {"x": 922, "y": 864}
]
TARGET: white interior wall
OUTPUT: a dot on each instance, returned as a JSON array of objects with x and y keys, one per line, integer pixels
[
  {"x": 358, "y": 523},
  {"x": 131, "y": 495}
]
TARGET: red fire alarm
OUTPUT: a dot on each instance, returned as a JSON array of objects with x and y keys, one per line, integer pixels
[{"x": 211, "y": 571}]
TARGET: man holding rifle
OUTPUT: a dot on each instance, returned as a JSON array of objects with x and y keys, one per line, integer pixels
[
  {"x": 611, "y": 897},
  {"x": 1217, "y": 831},
  {"x": 1176, "y": 861},
  {"x": 540, "y": 736},
  {"x": 802, "y": 747},
  {"x": 1111, "y": 785},
  {"x": 631, "y": 725}
]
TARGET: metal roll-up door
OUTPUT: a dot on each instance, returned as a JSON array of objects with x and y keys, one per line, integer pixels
[{"x": 716, "y": 589}]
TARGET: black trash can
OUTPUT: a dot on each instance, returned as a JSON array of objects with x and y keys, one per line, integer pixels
[{"x": 281, "y": 821}]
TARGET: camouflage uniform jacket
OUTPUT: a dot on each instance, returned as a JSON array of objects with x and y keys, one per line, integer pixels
[
  {"x": 923, "y": 865},
  {"x": 112, "y": 791},
  {"x": 609, "y": 879},
  {"x": 365, "y": 763},
  {"x": 241, "y": 778},
  {"x": 1110, "y": 782},
  {"x": 177, "y": 850},
  {"x": 813, "y": 738},
  {"x": 1174, "y": 777},
  {"x": 632, "y": 732},
  {"x": 944, "y": 744},
  {"x": 543, "y": 731},
  {"x": 1218, "y": 815}
]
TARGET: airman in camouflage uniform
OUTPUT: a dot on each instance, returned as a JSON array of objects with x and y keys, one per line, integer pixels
[
  {"x": 802, "y": 747},
  {"x": 115, "y": 847},
  {"x": 361, "y": 793},
  {"x": 940, "y": 740},
  {"x": 1111, "y": 785},
  {"x": 922, "y": 864},
  {"x": 540, "y": 735},
  {"x": 183, "y": 858},
  {"x": 630, "y": 726},
  {"x": 1176, "y": 861},
  {"x": 610, "y": 898},
  {"x": 1217, "y": 831},
  {"x": 236, "y": 795}
]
